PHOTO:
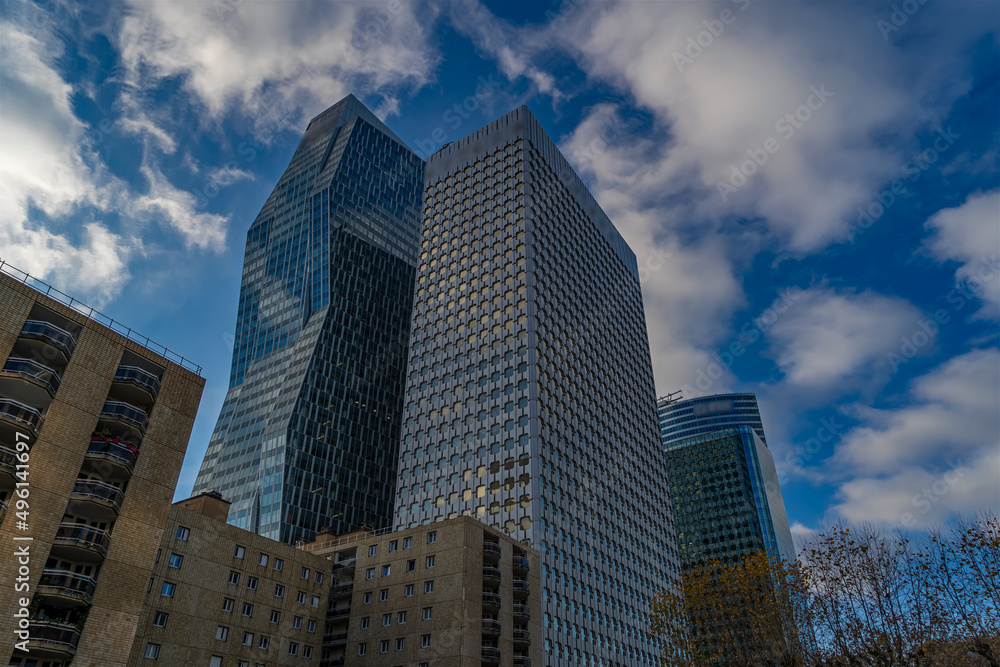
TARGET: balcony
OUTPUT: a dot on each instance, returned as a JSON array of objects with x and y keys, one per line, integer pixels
[
  {"x": 80, "y": 542},
  {"x": 3, "y": 511},
  {"x": 491, "y": 627},
  {"x": 21, "y": 416},
  {"x": 491, "y": 552},
  {"x": 66, "y": 589},
  {"x": 491, "y": 600},
  {"x": 135, "y": 385},
  {"x": 522, "y": 661},
  {"x": 95, "y": 500},
  {"x": 491, "y": 574},
  {"x": 29, "y": 381},
  {"x": 338, "y": 613},
  {"x": 127, "y": 414},
  {"x": 342, "y": 590},
  {"x": 522, "y": 611},
  {"x": 521, "y": 588},
  {"x": 48, "y": 639},
  {"x": 335, "y": 639},
  {"x": 344, "y": 565},
  {"x": 110, "y": 458},
  {"x": 521, "y": 564},
  {"x": 491, "y": 655},
  {"x": 522, "y": 636},
  {"x": 8, "y": 469},
  {"x": 332, "y": 662},
  {"x": 50, "y": 335}
]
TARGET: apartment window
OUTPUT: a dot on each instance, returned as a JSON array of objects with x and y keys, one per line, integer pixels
[
  {"x": 304, "y": 574},
  {"x": 370, "y": 573},
  {"x": 386, "y": 569},
  {"x": 407, "y": 542},
  {"x": 239, "y": 552},
  {"x": 401, "y": 617},
  {"x": 297, "y": 623},
  {"x": 408, "y": 591},
  {"x": 248, "y": 639},
  {"x": 252, "y": 583},
  {"x": 175, "y": 561},
  {"x": 160, "y": 620},
  {"x": 428, "y": 587},
  {"x": 393, "y": 545},
  {"x": 243, "y": 663},
  {"x": 386, "y": 620},
  {"x": 222, "y": 633},
  {"x": 383, "y": 646},
  {"x": 311, "y": 626},
  {"x": 428, "y": 613},
  {"x": 279, "y": 591},
  {"x": 262, "y": 560},
  {"x": 301, "y": 597},
  {"x": 234, "y": 578},
  {"x": 168, "y": 589},
  {"x": 400, "y": 644},
  {"x": 429, "y": 562},
  {"x": 314, "y": 602},
  {"x": 372, "y": 550},
  {"x": 275, "y": 616},
  {"x": 383, "y": 595},
  {"x": 182, "y": 534},
  {"x": 227, "y": 604},
  {"x": 264, "y": 643},
  {"x": 318, "y": 578},
  {"x": 367, "y": 598},
  {"x": 152, "y": 651},
  {"x": 293, "y": 648},
  {"x": 307, "y": 652},
  {"x": 425, "y": 641},
  {"x": 215, "y": 661},
  {"x": 362, "y": 648},
  {"x": 432, "y": 537},
  {"x": 247, "y": 610},
  {"x": 157, "y": 560},
  {"x": 149, "y": 587},
  {"x": 366, "y": 623},
  {"x": 279, "y": 564},
  {"x": 411, "y": 565}
]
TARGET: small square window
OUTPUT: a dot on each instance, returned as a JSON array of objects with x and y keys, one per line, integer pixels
[
  {"x": 293, "y": 648},
  {"x": 311, "y": 626},
  {"x": 152, "y": 651},
  {"x": 428, "y": 613},
  {"x": 407, "y": 542},
  {"x": 275, "y": 616},
  {"x": 175, "y": 561},
  {"x": 411, "y": 565},
  {"x": 264, "y": 643},
  {"x": 383, "y": 646},
  {"x": 370, "y": 573},
  {"x": 239, "y": 552},
  {"x": 168, "y": 589},
  {"x": 386, "y": 620},
  {"x": 386, "y": 569},
  {"x": 300, "y": 597},
  {"x": 182, "y": 534},
  {"x": 373, "y": 549},
  {"x": 432, "y": 537},
  {"x": 367, "y": 598},
  {"x": 248, "y": 639},
  {"x": 362, "y": 648},
  {"x": 243, "y": 663},
  {"x": 314, "y": 602},
  {"x": 383, "y": 595},
  {"x": 252, "y": 583},
  {"x": 262, "y": 560},
  {"x": 318, "y": 578},
  {"x": 279, "y": 564},
  {"x": 401, "y": 617},
  {"x": 160, "y": 620},
  {"x": 297, "y": 623},
  {"x": 304, "y": 574},
  {"x": 425, "y": 641},
  {"x": 429, "y": 562},
  {"x": 366, "y": 623},
  {"x": 222, "y": 633},
  {"x": 307, "y": 652},
  {"x": 428, "y": 587},
  {"x": 400, "y": 644},
  {"x": 279, "y": 591},
  {"x": 227, "y": 604},
  {"x": 408, "y": 591},
  {"x": 247, "y": 610},
  {"x": 393, "y": 545},
  {"x": 234, "y": 578}
]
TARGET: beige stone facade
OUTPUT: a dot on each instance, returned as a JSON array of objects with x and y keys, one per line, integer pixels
[
  {"x": 454, "y": 593},
  {"x": 100, "y": 424},
  {"x": 221, "y": 596}
]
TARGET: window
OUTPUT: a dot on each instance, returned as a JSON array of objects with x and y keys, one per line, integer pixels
[
  {"x": 275, "y": 616},
  {"x": 175, "y": 561},
  {"x": 293, "y": 648},
  {"x": 279, "y": 591},
  {"x": 247, "y": 610},
  {"x": 307, "y": 652},
  {"x": 386, "y": 620},
  {"x": 401, "y": 617},
  {"x": 160, "y": 620},
  {"x": 149, "y": 587},
  {"x": 248, "y": 639},
  {"x": 243, "y": 663},
  {"x": 311, "y": 626},
  {"x": 318, "y": 578},
  {"x": 370, "y": 573},
  {"x": 366, "y": 623},
  {"x": 408, "y": 591},
  {"x": 297, "y": 622},
  {"x": 428, "y": 613},
  {"x": 215, "y": 661},
  {"x": 383, "y": 646},
  {"x": 182, "y": 534},
  {"x": 425, "y": 641},
  {"x": 152, "y": 651},
  {"x": 264, "y": 643},
  {"x": 252, "y": 583},
  {"x": 279, "y": 564},
  {"x": 168, "y": 589},
  {"x": 411, "y": 565},
  {"x": 239, "y": 552},
  {"x": 262, "y": 560},
  {"x": 314, "y": 602},
  {"x": 428, "y": 587},
  {"x": 234, "y": 578},
  {"x": 367, "y": 598},
  {"x": 157, "y": 560},
  {"x": 407, "y": 542},
  {"x": 393, "y": 545},
  {"x": 304, "y": 574},
  {"x": 400, "y": 644},
  {"x": 372, "y": 550},
  {"x": 429, "y": 562},
  {"x": 301, "y": 597},
  {"x": 386, "y": 569},
  {"x": 362, "y": 648},
  {"x": 227, "y": 604},
  {"x": 432, "y": 537},
  {"x": 383, "y": 595},
  {"x": 222, "y": 633}
]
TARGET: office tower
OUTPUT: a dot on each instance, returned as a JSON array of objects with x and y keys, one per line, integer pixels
[
  {"x": 221, "y": 595},
  {"x": 93, "y": 429},
  {"x": 727, "y": 500},
  {"x": 426, "y": 596},
  {"x": 308, "y": 434},
  {"x": 530, "y": 402}
]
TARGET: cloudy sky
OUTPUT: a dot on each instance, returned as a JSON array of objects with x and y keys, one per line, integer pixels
[{"x": 811, "y": 189}]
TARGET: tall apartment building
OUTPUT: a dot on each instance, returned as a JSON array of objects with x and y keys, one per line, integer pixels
[
  {"x": 454, "y": 593},
  {"x": 727, "y": 500},
  {"x": 221, "y": 596},
  {"x": 309, "y": 431},
  {"x": 530, "y": 402},
  {"x": 93, "y": 430}
]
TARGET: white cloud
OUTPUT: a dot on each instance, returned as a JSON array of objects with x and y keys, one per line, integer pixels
[
  {"x": 179, "y": 210},
  {"x": 228, "y": 175},
  {"x": 970, "y": 234}
]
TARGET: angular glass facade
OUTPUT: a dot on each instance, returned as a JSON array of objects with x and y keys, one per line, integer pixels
[
  {"x": 308, "y": 434},
  {"x": 530, "y": 401},
  {"x": 727, "y": 500}
]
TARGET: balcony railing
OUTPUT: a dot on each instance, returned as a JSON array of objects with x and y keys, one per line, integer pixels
[
  {"x": 491, "y": 599},
  {"x": 491, "y": 626},
  {"x": 115, "y": 452},
  {"x": 521, "y": 587},
  {"x": 126, "y": 413},
  {"x": 345, "y": 564},
  {"x": 3, "y": 511},
  {"x": 67, "y": 585},
  {"x": 99, "y": 492},
  {"x": 49, "y": 637},
  {"x": 491, "y": 550},
  {"x": 491, "y": 655},
  {"x": 521, "y": 563},
  {"x": 522, "y": 661},
  {"x": 491, "y": 573},
  {"x": 342, "y": 589},
  {"x": 334, "y": 638},
  {"x": 139, "y": 377},
  {"x": 21, "y": 415},
  {"x": 35, "y": 372},
  {"x": 522, "y": 636},
  {"x": 522, "y": 610},
  {"x": 339, "y": 613},
  {"x": 8, "y": 462},
  {"x": 82, "y": 535},
  {"x": 49, "y": 333}
]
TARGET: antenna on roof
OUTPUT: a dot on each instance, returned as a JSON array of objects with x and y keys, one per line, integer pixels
[{"x": 670, "y": 398}]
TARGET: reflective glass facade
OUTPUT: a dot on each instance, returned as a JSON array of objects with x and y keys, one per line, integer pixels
[
  {"x": 723, "y": 481},
  {"x": 530, "y": 401},
  {"x": 308, "y": 434}
]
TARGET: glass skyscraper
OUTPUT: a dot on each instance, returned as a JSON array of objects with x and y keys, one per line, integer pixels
[
  {"x": 309, "y": 431},
  {"x": 530, "y": 401},
  {"x": 727, "y": 500}
]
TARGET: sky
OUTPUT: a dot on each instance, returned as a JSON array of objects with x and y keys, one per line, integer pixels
[{"x": 812, "y": 190}]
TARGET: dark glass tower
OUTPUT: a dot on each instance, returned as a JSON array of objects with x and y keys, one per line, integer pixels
[
  {"x": 530, "y": 402},
  {"x": 727, "y": 500},
  {"x": 308, "y": 435}
]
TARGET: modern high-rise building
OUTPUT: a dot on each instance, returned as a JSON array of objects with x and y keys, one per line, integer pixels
[
  {"x": 530, "y": 402},
  {"x": 94, "y": 423},
  {"x": 309, "y": 431},
  {"x": 727, "y": 500}
]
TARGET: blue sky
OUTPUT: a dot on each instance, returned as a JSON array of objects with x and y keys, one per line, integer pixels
[{"x": 811, "y": 190}]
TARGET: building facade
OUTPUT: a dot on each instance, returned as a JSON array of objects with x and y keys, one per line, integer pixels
[
  {"x": 530, "y": 402},
  {"x": 455, "y": 593},
  {"x": 727, "y": 499},
  {"x": 221, "y": 596},
  {"x": 309, "y": 430},
  {"x": 93, "y": 430}
]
